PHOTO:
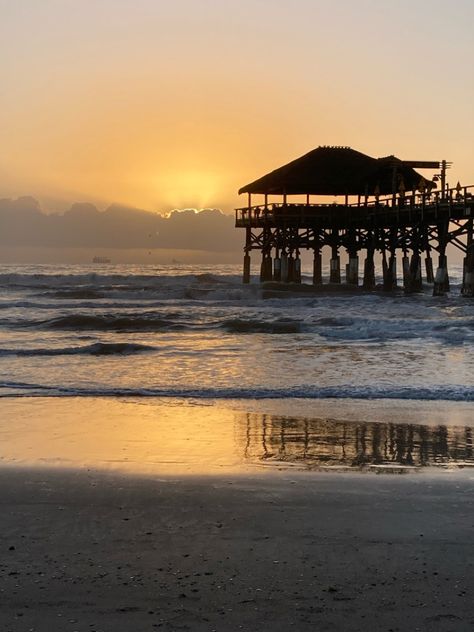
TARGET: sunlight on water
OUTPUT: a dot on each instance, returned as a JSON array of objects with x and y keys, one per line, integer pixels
[{"x": 196, "y": 332}]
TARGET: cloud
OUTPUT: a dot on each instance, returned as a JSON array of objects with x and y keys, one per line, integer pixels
[{"x": 24, "y": 224}]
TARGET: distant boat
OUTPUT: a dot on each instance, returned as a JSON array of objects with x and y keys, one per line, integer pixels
[{"x": 100, "y": 260}]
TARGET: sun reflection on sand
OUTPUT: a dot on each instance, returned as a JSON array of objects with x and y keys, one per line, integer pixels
[{"x": 117, "y": 434}]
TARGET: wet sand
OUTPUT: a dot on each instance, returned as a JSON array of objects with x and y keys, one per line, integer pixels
[
  {"x": 132, "y": 515},
  {"x": 100, "y": 551}
]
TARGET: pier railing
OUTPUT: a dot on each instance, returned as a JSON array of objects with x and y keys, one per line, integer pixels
[{"x": 455, "y": 203}]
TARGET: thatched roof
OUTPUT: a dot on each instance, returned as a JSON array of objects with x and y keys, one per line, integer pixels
[{"x": 337, "y": 171}]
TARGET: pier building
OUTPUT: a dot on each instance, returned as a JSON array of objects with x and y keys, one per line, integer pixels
[{"x": 342, "y": 199}]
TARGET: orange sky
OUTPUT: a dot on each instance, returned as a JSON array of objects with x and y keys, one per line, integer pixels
[{"x": 161, "y": 105}]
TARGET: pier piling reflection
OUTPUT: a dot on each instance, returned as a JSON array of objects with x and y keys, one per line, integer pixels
[{"x": 320, "y": 443}]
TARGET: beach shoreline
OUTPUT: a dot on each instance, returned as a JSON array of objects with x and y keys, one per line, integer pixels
[{"x": 122, "y": 515}]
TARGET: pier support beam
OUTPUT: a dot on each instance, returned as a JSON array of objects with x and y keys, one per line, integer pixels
[
  {"x": 266, "y": 272},
  {"x": 317, "y": 268},
  {"x": 468, "y": 277},
  {"x": 246, "y": 275},
  {"x": 441, "y": 283},
  {"x": 291, "y": 268},
  {"x": 248, "y": 244},
  {"x": 414, "y": 280},
  {"x": 335, "y": 270},
  {"x": 390, "y": 273},
  {"x": 393, "y": 269},
  {"x": 369, "y": 271},
  {"x": 406, "y": 269},
  {"x": 335, "y": 266},
  {"x": 277, "y": 269},
  {"x": 284, "y": 267},
  {"x": 429, "y": 269},
  {"x": 297, "y": 270},
  {"x": 468, "y": 274},
  {"x": 352, "y": 270}
]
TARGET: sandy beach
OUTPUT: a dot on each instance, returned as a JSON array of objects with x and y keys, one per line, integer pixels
[
  {"x": 194, "y": 534},
  {"x": 93, "y": 551}
]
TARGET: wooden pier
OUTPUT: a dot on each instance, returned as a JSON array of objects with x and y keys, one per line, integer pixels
[{"x": 412, "y": 221}]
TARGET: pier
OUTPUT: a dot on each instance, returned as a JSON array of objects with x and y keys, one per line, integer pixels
[{"x": 387, "y": 208}]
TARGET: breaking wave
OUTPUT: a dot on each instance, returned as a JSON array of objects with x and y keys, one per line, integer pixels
[
  {"x": 456, "y": 393},
  {"x": 239, "y": 325},
  {"x": 96, "y": 349},
  {"x": 112, "y": 322}
]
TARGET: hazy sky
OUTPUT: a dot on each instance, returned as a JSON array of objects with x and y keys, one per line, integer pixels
[{"x": 173, "y": 104}]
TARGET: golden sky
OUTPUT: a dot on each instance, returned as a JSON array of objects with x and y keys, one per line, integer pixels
[{"x": 166, "y": 105}]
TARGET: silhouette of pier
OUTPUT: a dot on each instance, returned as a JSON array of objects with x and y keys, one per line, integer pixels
[{"x": 388, "y": 208}]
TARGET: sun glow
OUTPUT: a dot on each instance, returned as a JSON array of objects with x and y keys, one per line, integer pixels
[
  {"x": 185, "y": 189},
  {"x": 130, "y": 102}
]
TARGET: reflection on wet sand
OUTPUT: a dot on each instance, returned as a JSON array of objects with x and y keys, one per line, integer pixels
[
  {"x": 173, "y": 438},
  {"x": 317, "y": 443}
]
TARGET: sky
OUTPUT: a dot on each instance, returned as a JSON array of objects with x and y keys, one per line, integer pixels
[{"x": 162, "y": 105}]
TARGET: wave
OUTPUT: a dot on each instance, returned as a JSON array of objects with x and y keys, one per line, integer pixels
[
  {"x": 206, "y": 278},
  {"x": 85, "y": 293},
  {"x": 98, "y": 282},
  {"x": 334, "y": 321},
  {"x": 388, "y": 329},
  {"x": 455, "y": 393},
  {"x": 96, "y": 349},
  {"x": 111, "y": 322},
  {"x": 238, "y": 325},
  {"x": 338, "y": 330}
]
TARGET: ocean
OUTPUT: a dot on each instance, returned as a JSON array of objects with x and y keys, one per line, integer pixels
[
  {"x": 189, "y": 331},
  {"x": 195, "y": 335}
]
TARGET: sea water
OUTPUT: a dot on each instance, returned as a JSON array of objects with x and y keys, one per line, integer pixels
[
  {"x": 331, "y": 377},
  {"x": 189, "y": 331}
]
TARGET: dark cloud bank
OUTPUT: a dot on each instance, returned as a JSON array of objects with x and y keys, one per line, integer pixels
[{"x": 23, "y": 224}]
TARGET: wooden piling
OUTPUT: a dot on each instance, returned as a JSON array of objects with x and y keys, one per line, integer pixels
[
  {"x": 317, "y": 268},
  {"x": 277, "y": 269},
  {"x": 389, "y": 272},
  {"x": 385, "y": 279},
  {"x": 297, "y": 270},
  {"x": 369, "y": 271},
  {"x": 246, "y": 275},
  {"x": 335, "y": 262},
  {"x": 406, "y": 269},
  {"x": 352, "y": 270},
  {"x": 291, "y": 268},
  {"x": 284, "y": 267},
  {"x": 335, "y": 270},
  {"x": 441, "y": 283},
  {"x": 468, "y": 273},
  {"x": 248, "y": 245},
  {"x": 429, "y": 269},
  {"x": 393, "y": 269},
  {"x": 414, "y": 283},
  {"x": 263, "y": 265}
]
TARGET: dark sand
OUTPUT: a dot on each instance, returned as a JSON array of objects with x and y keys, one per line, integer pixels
[{"x": 89, "y": 551}]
